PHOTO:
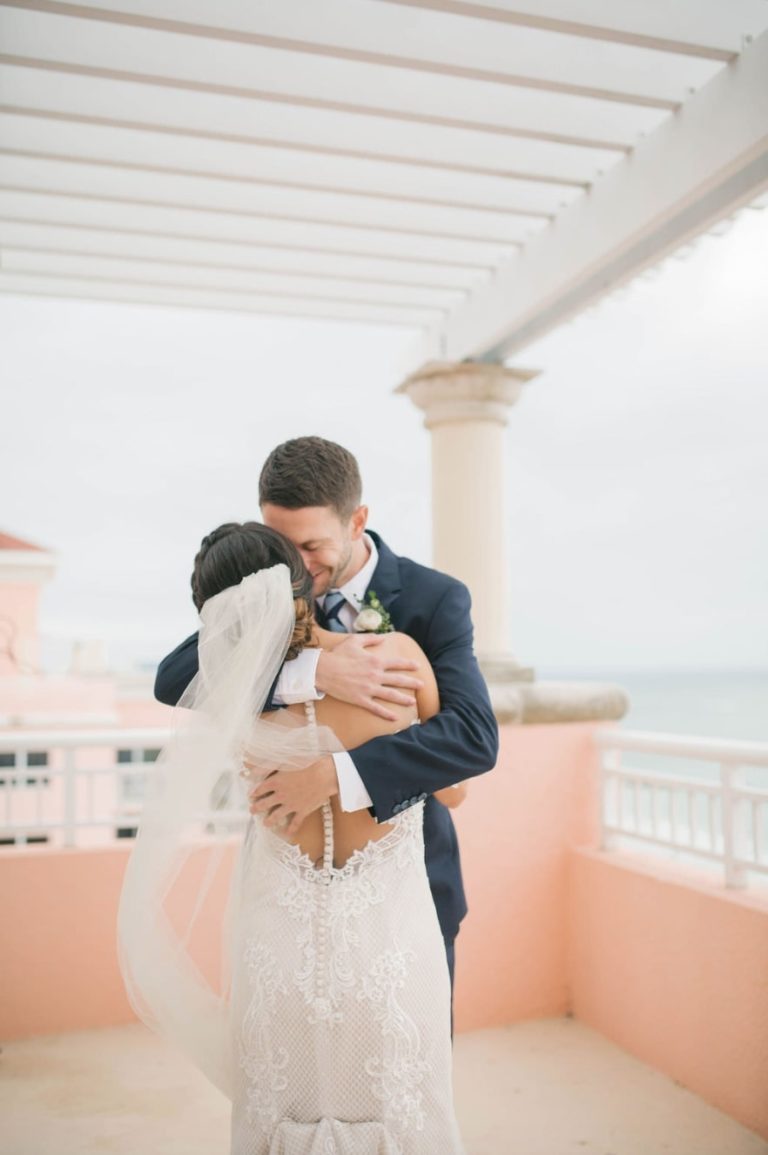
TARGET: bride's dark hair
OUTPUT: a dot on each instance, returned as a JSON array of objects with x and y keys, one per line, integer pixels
[{"x": 234, "y": 550}]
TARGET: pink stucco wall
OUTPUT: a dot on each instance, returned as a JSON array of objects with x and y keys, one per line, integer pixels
[
  {"x": 59, "y": 961},
  {"x": 674, "y": 970},
  {"x": 69, "y": 701},
  {"x": 515, "y": 828},
  {"x": 58, "y": 953},
  {"x": 73, "y": 701},
  {"x": 671, "y": 970},
  {"x": 143, "y": 713}
]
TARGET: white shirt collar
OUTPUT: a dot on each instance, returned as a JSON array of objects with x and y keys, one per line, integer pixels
[{"x": 354, "y": 589}]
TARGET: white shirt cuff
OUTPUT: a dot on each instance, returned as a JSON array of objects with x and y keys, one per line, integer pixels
[
  {"x": 297, "y": 679},
  {"x": 352, "y": 793}
]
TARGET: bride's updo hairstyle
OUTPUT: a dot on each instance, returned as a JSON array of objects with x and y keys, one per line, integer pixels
[{"x": 234, "y": 550}]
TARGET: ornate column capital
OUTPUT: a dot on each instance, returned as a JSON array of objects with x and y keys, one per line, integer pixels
[{"x": 450, "y": 391}]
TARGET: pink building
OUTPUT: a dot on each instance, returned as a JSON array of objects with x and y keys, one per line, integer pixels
[{"x": 42, "y": 802}]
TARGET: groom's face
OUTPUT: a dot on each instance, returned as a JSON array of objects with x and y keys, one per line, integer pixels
[{"x": 327, "y": 543}]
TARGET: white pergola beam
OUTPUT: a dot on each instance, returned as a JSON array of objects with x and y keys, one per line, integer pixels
[
  {"x": 436, "y": 41},
  {"x": 130, "y": 270},
  {"x": 702, "y": 164},
  {"x": 235, "y": 161},
  {"x": 208, "y": 254},
  {"x": 405, "y": 225},
  {"x": 181, "y": 296},
  {"x": 252, "y": 232},
  {"x": 309, "y": 131},
  {"x": 480, "y": 170},
  {"x": 701, "y": 27},
  {"x": 253, "y": 71}
]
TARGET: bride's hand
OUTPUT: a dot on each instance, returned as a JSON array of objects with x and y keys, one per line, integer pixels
[
  {"x": 286, "y": 797},
  {"x": 355, "y": 672}
]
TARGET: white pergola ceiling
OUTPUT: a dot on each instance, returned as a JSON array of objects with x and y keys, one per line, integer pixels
[{"x": 478, "y": 171}]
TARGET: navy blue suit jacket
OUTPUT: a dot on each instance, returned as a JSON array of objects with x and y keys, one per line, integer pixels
[{"x": 459, "y": 742}]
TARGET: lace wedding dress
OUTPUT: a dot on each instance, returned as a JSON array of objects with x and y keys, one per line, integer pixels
[
  {"x": 328, "y": 1024},
  {"x": 340, "y": 1000}
]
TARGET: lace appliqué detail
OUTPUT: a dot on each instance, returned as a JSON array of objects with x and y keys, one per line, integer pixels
[
  {"x": 327, "y": 901},
  {"x": 398, "y": 1074},
  {"x": 405, "y": 837},
  {"x": 327, "y": 936},
  {"x": 263, "y": 1063}
]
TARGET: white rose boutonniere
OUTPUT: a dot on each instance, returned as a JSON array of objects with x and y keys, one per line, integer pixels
[
  {"x": 373, "y": 618},
  {"x": 368, "y": 621}
]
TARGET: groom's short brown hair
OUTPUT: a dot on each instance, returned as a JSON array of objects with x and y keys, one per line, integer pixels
[{"x": 311, "y": 471}]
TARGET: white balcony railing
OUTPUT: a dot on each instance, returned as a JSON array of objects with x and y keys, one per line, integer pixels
[
  {"x": 86, "y": 787},
  {"x": 78, "y": 788},
  {"x": 74, "y": 788},
  {"x": 716, "y": 816}
]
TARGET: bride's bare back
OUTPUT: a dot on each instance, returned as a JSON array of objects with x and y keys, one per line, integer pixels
[{"x": 353, "y": 726}]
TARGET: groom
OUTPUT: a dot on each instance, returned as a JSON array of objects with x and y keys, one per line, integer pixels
[{"x": 310, "y": 491}]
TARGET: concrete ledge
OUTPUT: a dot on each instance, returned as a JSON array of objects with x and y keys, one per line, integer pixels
[{"x": 527, "y": 702}]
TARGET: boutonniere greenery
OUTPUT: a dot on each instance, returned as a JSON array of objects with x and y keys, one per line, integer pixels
[{"x": 372, "y": 618}]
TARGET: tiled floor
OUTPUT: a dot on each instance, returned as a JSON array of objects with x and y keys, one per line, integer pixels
[{"x": 545, "y": 1087}]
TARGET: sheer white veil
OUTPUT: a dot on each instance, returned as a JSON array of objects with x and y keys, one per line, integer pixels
[{"x": 196, "y": 813}]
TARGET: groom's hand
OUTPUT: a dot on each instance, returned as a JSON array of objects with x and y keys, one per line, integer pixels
[
  {"x": 357, "y": 672},
  {"x": 292, "y": 795}
]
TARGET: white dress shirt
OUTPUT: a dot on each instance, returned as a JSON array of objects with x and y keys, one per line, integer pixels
[{"x": 297, "y": 679}]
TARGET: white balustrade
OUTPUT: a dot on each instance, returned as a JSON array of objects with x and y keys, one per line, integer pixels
[
  {"x": 722, "y": 819},
  {"x": 79, "y": 790},
  {"x": 86, "y": 787}
]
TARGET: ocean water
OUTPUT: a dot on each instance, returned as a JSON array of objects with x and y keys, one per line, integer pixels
[
  {"x": 730, "y": 704},
  {"x": 722, "y": 704},
  {"x": 712, "y": 704}
]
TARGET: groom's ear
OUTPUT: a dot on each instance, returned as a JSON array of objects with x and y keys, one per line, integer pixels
[{"x": 358, "y": 522}]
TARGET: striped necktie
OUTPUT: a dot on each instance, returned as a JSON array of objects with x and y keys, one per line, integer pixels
[{"x": 334, "y": 600}]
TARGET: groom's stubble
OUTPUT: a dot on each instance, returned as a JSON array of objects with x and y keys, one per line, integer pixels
[{"x": 332, "y": 548}]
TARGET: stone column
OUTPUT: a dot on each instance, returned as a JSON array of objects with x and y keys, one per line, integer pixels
[{"x": 466, "y": 406}]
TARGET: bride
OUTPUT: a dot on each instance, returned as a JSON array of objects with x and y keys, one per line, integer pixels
[{"x": 329, "y": 1026}]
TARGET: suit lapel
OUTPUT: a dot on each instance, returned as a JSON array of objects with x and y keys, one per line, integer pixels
[{"x": 386, "y": 577}]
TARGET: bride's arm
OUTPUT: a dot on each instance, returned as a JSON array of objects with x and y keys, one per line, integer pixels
[
  {"x": 428, "y": 695},
  {"x": 428, "y": 702}
]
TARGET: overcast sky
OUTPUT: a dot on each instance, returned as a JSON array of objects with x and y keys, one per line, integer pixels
[{"x": 637, "y": 461}]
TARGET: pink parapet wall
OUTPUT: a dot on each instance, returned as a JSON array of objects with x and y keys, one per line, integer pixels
[
  {"x": 59, "y": 958},
  {"x": 515, "y": 829},
  {"x": 58, "y": 953},
  {"x": 671, "y": 968},
  {"x": 674, "y": 970}
]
